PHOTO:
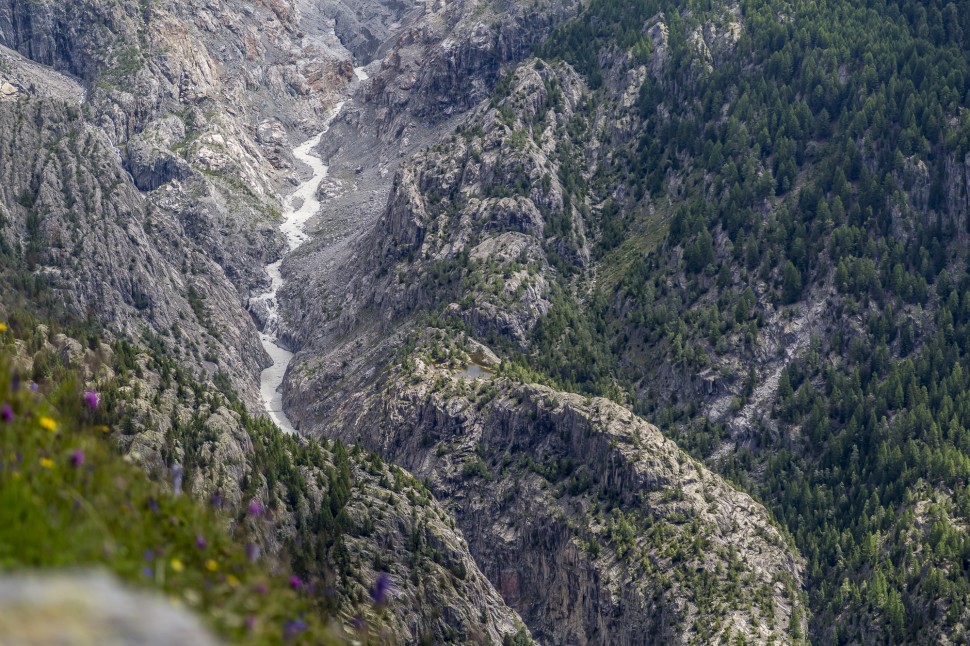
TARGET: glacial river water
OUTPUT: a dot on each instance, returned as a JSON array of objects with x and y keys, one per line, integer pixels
[{"x": 301, "y": 205}]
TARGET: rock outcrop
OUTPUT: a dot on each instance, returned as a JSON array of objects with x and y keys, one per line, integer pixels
[
  {"x": 448, "y": 60},
  {"x": 587, "y": 520},
  {"x": 92, "y": 246},
  {"x": 91, "y": 608}
]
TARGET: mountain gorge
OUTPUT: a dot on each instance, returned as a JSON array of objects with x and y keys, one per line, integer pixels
[{"x": 631, "y": 321}]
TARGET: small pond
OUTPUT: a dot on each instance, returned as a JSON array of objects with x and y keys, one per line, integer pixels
[{"x": 474, "y": 371}]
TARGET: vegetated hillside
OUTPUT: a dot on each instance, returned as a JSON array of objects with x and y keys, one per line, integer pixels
[
  {"x": 749, "y": 222},
  {"x": 802, "y": 320},
  {"x": 68, "y": 499},
  {"x": 375, "y": 555}
]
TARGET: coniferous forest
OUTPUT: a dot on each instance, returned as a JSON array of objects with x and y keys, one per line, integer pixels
[{"x": 812, "y": 175}]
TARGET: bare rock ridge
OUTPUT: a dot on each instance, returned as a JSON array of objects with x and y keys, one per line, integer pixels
[{"x": 578, "y": 512}]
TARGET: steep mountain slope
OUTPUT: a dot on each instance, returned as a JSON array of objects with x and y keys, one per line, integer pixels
[
  {"x": 475, "y": 237},
  {"x": 198, "y": 101},
  {"x": 814, "y": 242},
  {"x": 340, "y": 518},
  {"x": 589, "y": 522},
  {"x": 76, "y": 234},
  {"x": 448, "y": 59},
  {"x": 745, "y": 221}
]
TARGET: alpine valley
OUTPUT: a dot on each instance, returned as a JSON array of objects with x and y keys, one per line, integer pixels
[{"x": 487, "y": 321}]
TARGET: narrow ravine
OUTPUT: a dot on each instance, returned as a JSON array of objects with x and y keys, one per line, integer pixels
[{"x": 301, "y": 205}]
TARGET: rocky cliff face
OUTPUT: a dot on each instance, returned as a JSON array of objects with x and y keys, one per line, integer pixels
[
  {"x": 200, "y": 102},
  {"x": 586, "y": 519},
  {"x": 83, "y": 238},
  {"x": 447, "y": 60}
]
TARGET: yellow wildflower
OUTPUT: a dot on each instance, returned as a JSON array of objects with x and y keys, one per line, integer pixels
[
  {"x": 48, "y": 424},
  {"x": 176, "y": 565},
  {"x": 103, "y": 428},
  {"x": 211, "y": 565},
  {"x": 3, "y": 328},
  {"x": 47, "y": 463},
  {"x": 232, "y": 581}
]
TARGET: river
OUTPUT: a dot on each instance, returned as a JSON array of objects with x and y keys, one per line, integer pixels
[{"x": 299, "y": 207}]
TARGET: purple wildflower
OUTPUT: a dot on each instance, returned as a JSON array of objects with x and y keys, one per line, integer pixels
[
  {"x": 148, "y": 572},
  {"x": 15, "y": 382},
  {"x": 153, "y": 505},
  {"x": 177, "y": 479},
  {"x": 149, "y": 555},
  {"x": 295, "y": 582},
  {"x": 92, "y": 399},
  {"x": 200, "y": 541},
  {"x": 252, "y": 551},
  {"x": 216, "y": 500},
  {"x": 250, "y": 622},
  {"x": 77, "y": 458},
  {"x": 261, "y": 588},
  {"x": 294, "y": 628},
  {"x": 359, "y": 622},
  {"x": 378, "y": 593},
  {"x": 255, "y": 508},
  {"x": 33, "y": 386},
  {"x": 6, "y": 413}
]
